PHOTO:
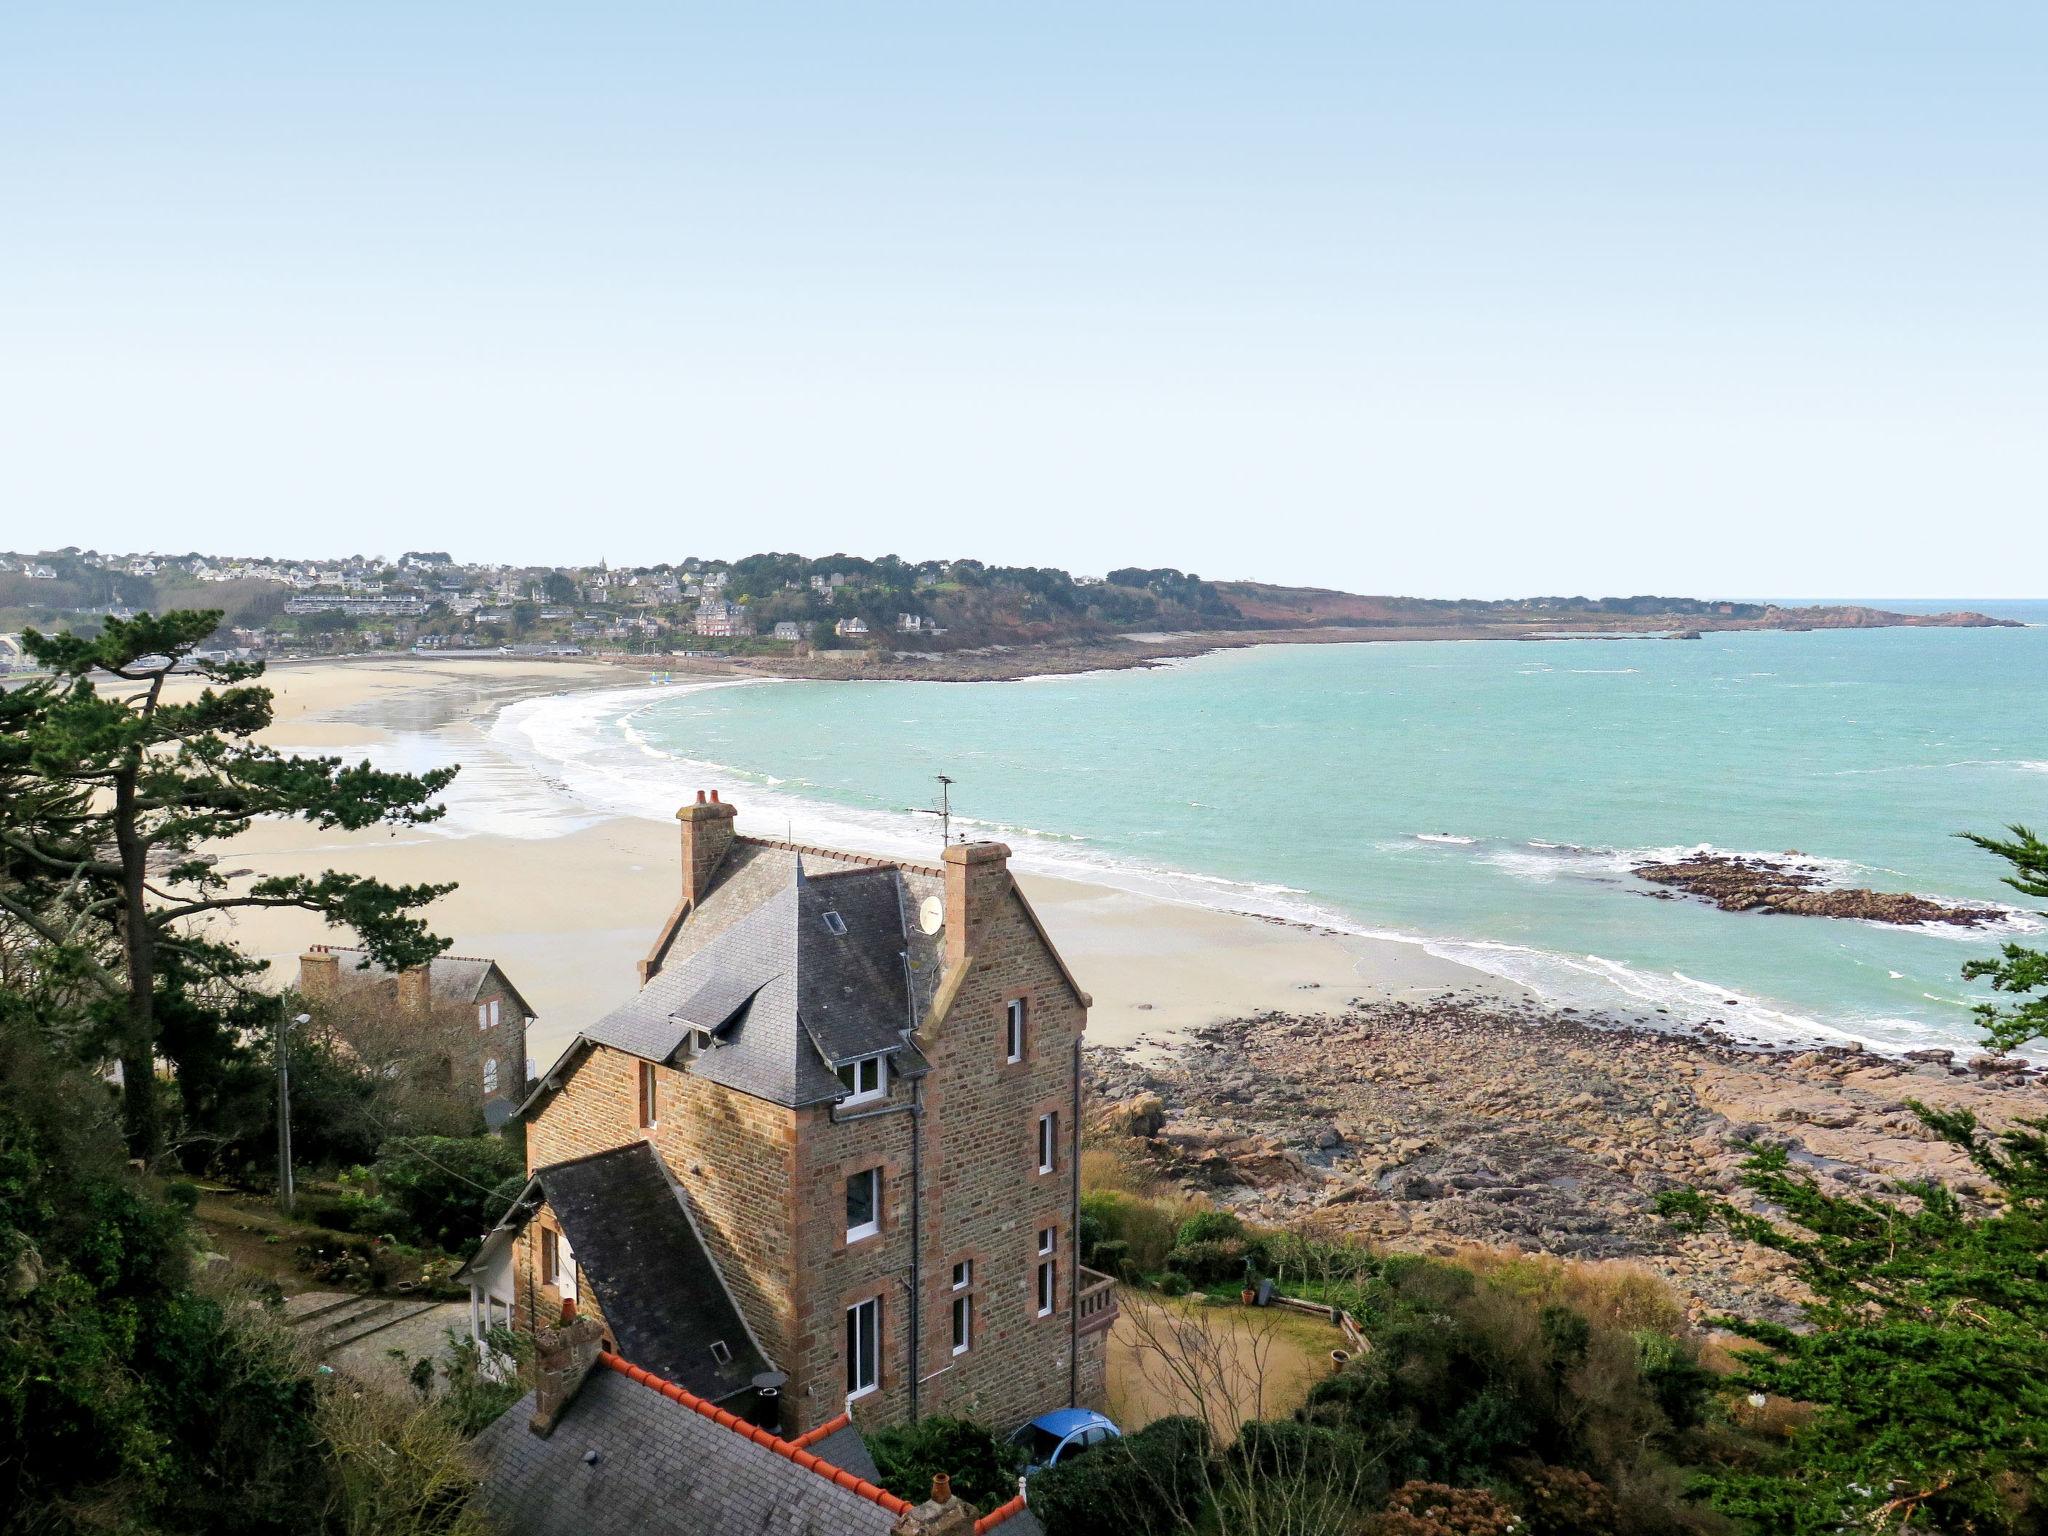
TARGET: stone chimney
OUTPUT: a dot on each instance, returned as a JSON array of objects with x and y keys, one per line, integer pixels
[
  {"x": 707, "y": 835},
  {"x": 940, "y": 1515},
  {"x": 563, "y": 1357},
  {"x": 977, "y": 881},
  {"x": 415, "y": 989},
  {"x": 319, "y": 972}
]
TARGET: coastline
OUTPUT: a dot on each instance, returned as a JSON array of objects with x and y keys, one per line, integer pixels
[
  {"x": 1469, "y": 1120},
  {"x": 571, "y": 911},
  {"x": 1303, "y": 1075},
  {"x": 1122, "y": 652}
]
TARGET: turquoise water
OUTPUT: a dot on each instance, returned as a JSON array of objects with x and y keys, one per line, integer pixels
[{"x": 1485, "y": 797}]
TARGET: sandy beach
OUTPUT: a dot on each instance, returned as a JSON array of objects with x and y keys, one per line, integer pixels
[{"x": 568, "y": 915}]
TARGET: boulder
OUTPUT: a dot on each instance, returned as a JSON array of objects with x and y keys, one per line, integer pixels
[{"x": 1142, "y": 1115}]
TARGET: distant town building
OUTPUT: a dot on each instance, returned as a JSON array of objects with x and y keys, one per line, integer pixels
[
  {"x": 356, "y": 607},
  {"x": 716, "y": 617},
  {"x": 790, "y": 629},
  {"x": 847, "y": 628}
]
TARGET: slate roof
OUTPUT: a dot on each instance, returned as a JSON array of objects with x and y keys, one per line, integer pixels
[
  {"x": 660, "y": 1470},
  {"x": 450, "y": 978},
  {"x": 794, "y": 972},
  {"x": 659, "y": 1290}
]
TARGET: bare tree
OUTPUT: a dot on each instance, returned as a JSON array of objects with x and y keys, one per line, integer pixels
[{"x": 1218, "y": 1365}]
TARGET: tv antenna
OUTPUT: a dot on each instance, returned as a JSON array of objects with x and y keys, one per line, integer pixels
[{"x": 943, "y": 810}]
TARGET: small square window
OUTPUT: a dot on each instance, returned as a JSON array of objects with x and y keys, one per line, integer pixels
[
  {"x": 863, "y": 1204},
  {"x": 865, "y": 1079},
  {"x": 1048, "y": 1239},
  {"x": 835, "y": 925},
  {"x": 963, "y": 1274}
]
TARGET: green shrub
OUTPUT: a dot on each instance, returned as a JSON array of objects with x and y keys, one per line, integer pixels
[
  {"x": 1174, "y": 1284},
  {"x": 182, "y": 1193},
  {"x": 1112, "y": 1256},
  {"x": 1171, "y": 1456},
  {"x": 983, "y": 1469},
  {"x": 1208, "y": 1226},
  {"x": 1145, "y": 1227},
  {"x": 445, "y": 1191},
  {"x": 1214, "y": 1261}
]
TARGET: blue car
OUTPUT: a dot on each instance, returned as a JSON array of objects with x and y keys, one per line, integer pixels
[{"x": 1062, "y": 1435}]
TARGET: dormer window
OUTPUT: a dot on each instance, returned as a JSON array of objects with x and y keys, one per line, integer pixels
[{"x": 865, "y": 1079}]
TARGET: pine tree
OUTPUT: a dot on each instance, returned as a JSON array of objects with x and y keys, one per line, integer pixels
[
  {"x": 1924, "y": 1351},
  {"x": 107, "y": 796},
  {"x": 2017, "y": 970}
]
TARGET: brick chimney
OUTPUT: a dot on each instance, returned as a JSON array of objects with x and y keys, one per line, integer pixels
[
  {"x": 415, "y": 989},
  {"x": 707, "y": 835},
  {"x": 977, "y": 881},
  {"x": 563, "y": 1357},
  {"x": 319, "y": 972},
  {"x": 940, "y": 1515}
]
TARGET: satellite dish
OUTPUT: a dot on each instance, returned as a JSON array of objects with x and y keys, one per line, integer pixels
[{"x": 931, "y": 914}]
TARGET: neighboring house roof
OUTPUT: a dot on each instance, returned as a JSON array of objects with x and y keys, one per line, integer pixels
[
  {"x": 625, "y": 1460},
  {"x": 639, "y": 1248},
  {"x": 794, "y": 972},
  {"x": 450, "y": 978}
]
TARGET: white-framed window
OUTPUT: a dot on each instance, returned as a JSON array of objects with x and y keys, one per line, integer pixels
[
  {"x": 863, "y": 1346},
  {"x": 963, "y": 1324},
  {"x": 863, "y": 1204},
  {"x": 1048, "y": 1141},
  {"x": 1013, "y": 1030},
  {"x": 963, "y": 1274},
  {"x": 557, "y": 1262},
  {"x": 1048, "y": 1270},
  {"x": 865, "y": 1079},
  {"x": 491, "y": 1075},
  {"x": 487, "y": 1014},
  {"x": 649, "y": 1115}
]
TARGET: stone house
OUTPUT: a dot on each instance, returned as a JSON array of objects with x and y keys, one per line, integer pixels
[
  {"x": 717, "y": 617},
  {"x": 476, "y": 1017},
  {"x": 847, "y": 1093},
  {"x": 847, "y": 628}
]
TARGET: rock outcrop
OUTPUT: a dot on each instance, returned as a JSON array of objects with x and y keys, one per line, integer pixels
[
  {"x": 1735, "y": 883},
  {"x": 1454, "y": 1121}
]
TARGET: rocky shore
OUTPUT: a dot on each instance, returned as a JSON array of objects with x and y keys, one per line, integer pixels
[
  {"x": 1467, "y": 1119},
  {"x": 1736, "y": 883}
]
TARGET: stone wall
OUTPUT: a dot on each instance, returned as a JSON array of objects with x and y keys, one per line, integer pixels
[{"x": 986, "y": 1198}]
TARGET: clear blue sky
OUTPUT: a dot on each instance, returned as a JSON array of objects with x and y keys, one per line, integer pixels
[{"x": 1436, "y": 297}]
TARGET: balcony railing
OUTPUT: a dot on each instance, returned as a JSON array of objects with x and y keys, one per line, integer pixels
[{"x": 1096, "y": 1302}]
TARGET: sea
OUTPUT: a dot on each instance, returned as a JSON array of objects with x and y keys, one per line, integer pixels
[{"x": 1483, "y": 799}]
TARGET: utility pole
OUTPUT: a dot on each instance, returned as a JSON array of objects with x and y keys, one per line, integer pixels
[{"x": 282, "y": 1051}]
